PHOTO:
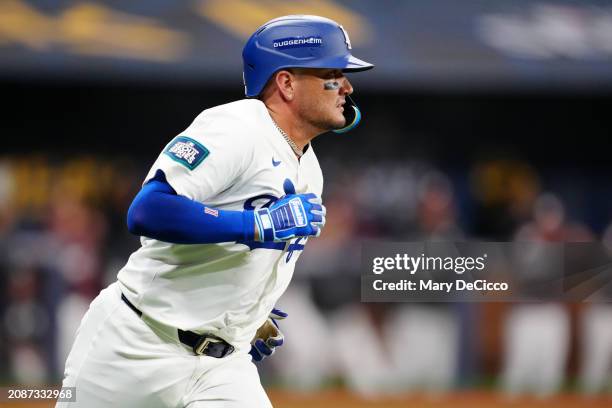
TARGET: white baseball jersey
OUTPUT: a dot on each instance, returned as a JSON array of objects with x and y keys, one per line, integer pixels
[{"x": 232, "y": 157}]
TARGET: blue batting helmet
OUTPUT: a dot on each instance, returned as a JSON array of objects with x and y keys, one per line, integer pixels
[{"x": 297, "y": 41}]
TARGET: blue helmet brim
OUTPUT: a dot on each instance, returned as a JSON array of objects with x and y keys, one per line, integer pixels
[
  {"x": 350, "y": 64},
  {"x": 356, "y": 65}
]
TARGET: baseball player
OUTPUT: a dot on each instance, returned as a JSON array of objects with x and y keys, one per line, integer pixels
[{"x": 223, "y": 215}]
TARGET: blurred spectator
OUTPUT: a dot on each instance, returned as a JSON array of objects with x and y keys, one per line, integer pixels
[
  {"x": 424, "y": 346},
  {"x": 424, "y": 339},
  {"x": 54, "y": 244},
  {"x": 537, "y": 336},
  {"x": 360, "y": 344},
  {"x": 596, "y": 339},
  {"x": 27, "y": 325},
  {"x": 550, "y": 223},
  {"x": 79, "y": 230},
  {"x": 409, "y": 347},
  {"x": 596, "y": 351},
  {"x": 436, "y": 209}
]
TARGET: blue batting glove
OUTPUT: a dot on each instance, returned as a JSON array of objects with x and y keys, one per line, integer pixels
[
  {"x": 262, "y": 348},
  {"x": 293, "y": 215}
]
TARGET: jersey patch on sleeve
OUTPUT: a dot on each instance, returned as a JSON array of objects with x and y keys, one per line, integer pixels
[{"x": 186, "y": 151}]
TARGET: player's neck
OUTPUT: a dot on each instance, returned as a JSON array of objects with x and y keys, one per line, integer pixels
[{"x": 300, "y": 133}]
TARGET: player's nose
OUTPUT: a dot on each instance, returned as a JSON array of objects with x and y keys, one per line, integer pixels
[{"x": 346, "y": 88}]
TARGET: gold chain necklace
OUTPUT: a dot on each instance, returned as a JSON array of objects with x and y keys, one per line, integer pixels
[{"x": 291, "y": 143}]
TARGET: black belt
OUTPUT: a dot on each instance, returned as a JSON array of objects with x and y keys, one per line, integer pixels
[{"x": 207, "y": 344}]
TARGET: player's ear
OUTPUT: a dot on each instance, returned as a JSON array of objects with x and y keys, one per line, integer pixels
[{"x": 285, "y": 82}]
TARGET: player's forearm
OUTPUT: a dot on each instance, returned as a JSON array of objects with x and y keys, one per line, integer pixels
[{"x": 158, "y": 212}]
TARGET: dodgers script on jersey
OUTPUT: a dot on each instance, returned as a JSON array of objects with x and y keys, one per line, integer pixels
[{"x": 232, "y": 157}]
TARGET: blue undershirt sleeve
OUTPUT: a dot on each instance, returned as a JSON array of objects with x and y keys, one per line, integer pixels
[{"x": 158, "y": 212}]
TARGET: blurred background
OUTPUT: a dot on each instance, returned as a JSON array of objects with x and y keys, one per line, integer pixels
[{"x": 482, "y": 121}]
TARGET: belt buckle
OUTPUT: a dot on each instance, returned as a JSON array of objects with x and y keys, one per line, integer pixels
[{"x": 202, "y": 345}]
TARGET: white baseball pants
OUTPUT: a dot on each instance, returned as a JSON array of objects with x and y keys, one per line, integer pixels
[{"x": 121, "y": 360}]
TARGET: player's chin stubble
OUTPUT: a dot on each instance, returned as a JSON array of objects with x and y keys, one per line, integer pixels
[{"x": 323, "y": 117}]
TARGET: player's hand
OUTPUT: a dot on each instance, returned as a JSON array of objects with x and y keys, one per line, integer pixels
[
  {"x": 293, "y": 215},
  {"x": 268, "y": 336}
]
